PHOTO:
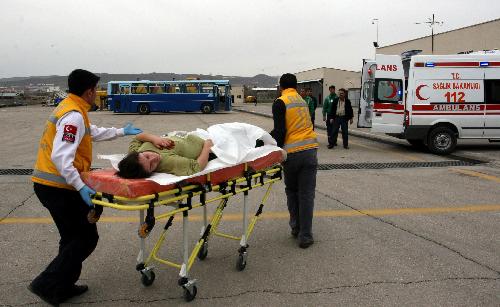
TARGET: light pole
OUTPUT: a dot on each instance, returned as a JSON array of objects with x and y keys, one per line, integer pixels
[
  {"x": 375, "y": 22},
  {"x": 431, "y": 22}
]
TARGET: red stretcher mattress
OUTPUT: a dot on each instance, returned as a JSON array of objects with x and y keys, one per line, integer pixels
[{"x": 105, "y": 180}]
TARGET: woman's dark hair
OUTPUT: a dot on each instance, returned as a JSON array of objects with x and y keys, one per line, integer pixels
[
  {"x": 80, "y": 80},
  {"x": 288, "y": 81},
  {"x": 130, "y": 168}
]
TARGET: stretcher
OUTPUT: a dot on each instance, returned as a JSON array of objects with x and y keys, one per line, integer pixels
[{"x": 172, "y": 200}]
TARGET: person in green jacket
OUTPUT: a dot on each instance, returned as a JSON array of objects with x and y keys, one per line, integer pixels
[
  {"x": 327, "y": 109},
  {"x": 312, "y": 103},
  {"x": 180, "y": 156}
]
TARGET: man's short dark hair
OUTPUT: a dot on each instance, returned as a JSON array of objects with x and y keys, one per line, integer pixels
[
  {"x": 343, "y": 90},
  {"x": 331, "y": 86},
  {"x": 80, "y": 80},
  {"x": 130, "y": 168},
  {"x": 288, "y": 81}
]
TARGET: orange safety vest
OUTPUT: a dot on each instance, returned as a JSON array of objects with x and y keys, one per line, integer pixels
[
  {"x": 45, "y": 171},
  {"x": 299, "y": 129}
]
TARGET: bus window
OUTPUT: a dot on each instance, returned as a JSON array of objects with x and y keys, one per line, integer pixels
[
  {"x": 139, "y": 88},
  {"x": 125, "y": 89},
  {"x": 115, "y": 89},
  {"x": 156, "y": 88}
]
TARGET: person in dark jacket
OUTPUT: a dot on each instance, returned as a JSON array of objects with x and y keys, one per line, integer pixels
[{"x": 340, "y": 114}]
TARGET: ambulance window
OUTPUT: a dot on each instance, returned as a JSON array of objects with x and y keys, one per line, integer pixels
[
  {"x": 492, "y": 91},
  {"x": 388, "y": 90},
  {"x": 368, "y": 90}
]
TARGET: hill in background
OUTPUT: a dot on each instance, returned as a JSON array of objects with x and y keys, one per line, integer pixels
[{"x": 255, "y": 81}]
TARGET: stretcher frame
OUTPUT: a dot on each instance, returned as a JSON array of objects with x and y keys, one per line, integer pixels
[{"x": 181, "y": 200}]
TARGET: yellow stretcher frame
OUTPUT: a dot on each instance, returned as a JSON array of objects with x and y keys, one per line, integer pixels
[{"x": 181, "y": 201}]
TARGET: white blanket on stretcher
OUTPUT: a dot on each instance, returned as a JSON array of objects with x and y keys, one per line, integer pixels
[{"x": 234, "y": 143}]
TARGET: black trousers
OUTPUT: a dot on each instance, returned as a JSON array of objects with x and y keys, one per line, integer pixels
[
  {"x": 78, "y": 239},
  {"x": 340, "y": 122},
  {"x": 300, "y": 183},
  {"x": 329, "y": 131}
]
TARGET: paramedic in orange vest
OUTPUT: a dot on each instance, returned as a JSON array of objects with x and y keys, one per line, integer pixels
[
  {"x": 65, "y": 151},
  {"x": 293, "y": 132}
]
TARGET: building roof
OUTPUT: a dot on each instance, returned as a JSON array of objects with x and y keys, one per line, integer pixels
[{"x": 436, "y": 34}]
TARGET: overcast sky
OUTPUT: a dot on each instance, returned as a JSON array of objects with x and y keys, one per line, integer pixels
[{"x": 228, "y": 37}]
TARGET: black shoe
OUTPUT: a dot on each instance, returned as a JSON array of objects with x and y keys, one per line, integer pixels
[
  {"x": 49, "y": 300},
  {"x": 295, "y": 232},
  {"x": 330, "y": 146},
  {"x": 305, "y": 243},
  {"x": 346, "y": 147}
]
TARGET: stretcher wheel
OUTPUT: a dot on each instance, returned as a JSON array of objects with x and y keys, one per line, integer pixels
[
  {"x": 94, "y": 214},
  {"x": 202, "y": 254},
  {"x": 188, "y": 295},
  {"x": 241, "y": 263},
  {"x": 148, "y": 280},
  {"x": 144, "y": 230}
]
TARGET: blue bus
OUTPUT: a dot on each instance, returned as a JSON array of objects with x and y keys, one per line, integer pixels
[{"x": 144, "y": 96}]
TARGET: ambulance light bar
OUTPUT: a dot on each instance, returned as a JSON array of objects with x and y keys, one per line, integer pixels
[
  {"x": 484, "y": 64},
  {"x": 429, "y": 64}
]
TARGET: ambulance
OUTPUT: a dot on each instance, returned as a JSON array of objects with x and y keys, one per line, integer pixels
[{"x": 432, "y": 100}]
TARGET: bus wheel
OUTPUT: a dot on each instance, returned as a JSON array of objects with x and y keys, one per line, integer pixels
[
  {"x": 442, "y": 140},
  {"x": 143, "y": 109},
  {"x": 206, "y": 108}
]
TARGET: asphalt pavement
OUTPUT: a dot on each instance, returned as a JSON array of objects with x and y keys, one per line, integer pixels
[{"x": 393, "y": 226}]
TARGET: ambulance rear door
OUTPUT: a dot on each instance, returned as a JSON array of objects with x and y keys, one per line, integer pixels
[
  {"x": 365, "y": 111},
  {"x": 388, "y": 98}
]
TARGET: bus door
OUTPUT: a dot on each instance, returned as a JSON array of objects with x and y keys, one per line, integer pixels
[
  {"x": 365, "y": 111},
  {"x": 229, "y": 99},
  {"x": 388, "y": 101}
]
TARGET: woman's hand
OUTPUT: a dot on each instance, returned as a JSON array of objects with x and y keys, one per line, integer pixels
[
  {"x": 163, "y": 143},
  {"x": 209, "y": 143}
]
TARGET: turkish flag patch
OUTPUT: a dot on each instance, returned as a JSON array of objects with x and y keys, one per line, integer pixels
[{"x": 69, "y": 134}]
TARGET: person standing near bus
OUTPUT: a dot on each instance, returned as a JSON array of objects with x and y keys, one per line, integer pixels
[
  {"x": 293, "y": 132},
  {"x": 327, "y": 108},
  {"x": 65, "y": 151}
]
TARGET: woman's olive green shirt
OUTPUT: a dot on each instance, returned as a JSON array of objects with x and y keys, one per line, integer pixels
[{"x": 180, "y": 160}]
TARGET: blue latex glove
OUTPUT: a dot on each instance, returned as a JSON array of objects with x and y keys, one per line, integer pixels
[
  {"x": 86, "y": 193},
  {"x": 129, "y": 129}
]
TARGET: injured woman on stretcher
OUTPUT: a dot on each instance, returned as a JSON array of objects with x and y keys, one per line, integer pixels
[{"x": 180, "y": 155}]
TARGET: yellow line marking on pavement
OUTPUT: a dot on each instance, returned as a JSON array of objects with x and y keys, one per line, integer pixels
[
  {"x": 277, "y": 215},
  {"x": 476, "y": 174},
  {"x": 413, "y": 158}
]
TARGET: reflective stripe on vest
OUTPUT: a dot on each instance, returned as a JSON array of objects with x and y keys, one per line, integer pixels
[
  {"x": 299, "y": 130},
  {"x": 53, "y": 119},
  {"x": 301, "y": 143},
  {"x": 49, "y": 176}
]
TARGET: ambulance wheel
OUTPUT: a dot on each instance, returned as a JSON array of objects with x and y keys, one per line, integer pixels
[
  {"x": 148, "y": 280},
  {"x": 188, "y": 295},
  {"x": 143, "y": 109},
  {"x": 442, "y": 140},
  {"x": 202, "y": 254},
  {"x": 206, "y": 108},
  {"x": 241, "y": 263}
]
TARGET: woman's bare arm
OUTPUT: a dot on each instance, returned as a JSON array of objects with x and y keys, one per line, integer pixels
[{"x": 203, "y": 157}]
